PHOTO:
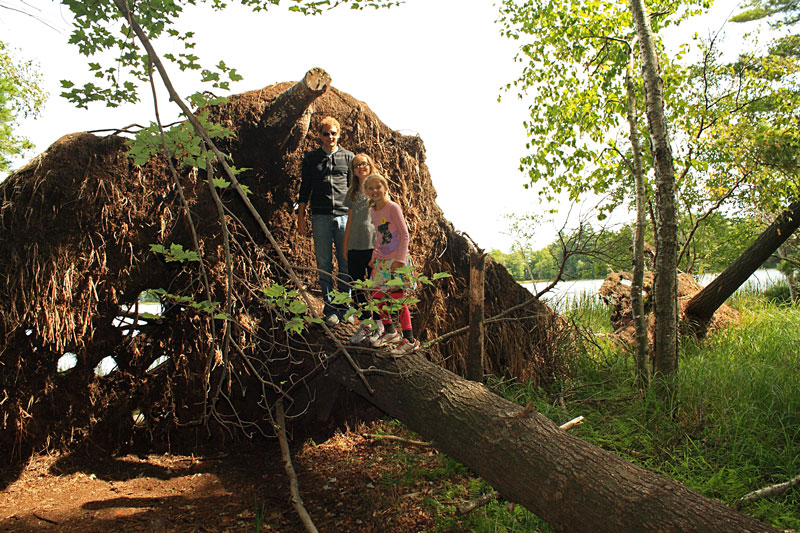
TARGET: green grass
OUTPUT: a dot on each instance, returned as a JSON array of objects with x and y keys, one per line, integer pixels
[
  {"x": 590, "y": 313},
  {"x": 732, "y": 427}
]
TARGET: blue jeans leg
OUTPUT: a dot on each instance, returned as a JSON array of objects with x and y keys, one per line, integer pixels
[
  {"x": 343, "y": 275},
  {"x": 328, "y": 232}
]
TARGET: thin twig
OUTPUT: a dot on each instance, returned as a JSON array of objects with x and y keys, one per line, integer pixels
[
  {"x": 480, "y": 501},
  {"x": 496, "y": 318},
  {"x": 287, "y": 465},
  {"x": 43, "y": 519},
  {"x": 766, "y": 492},
  {"x": 577, "y": 421},
  {"x": 190, "y": 223},
  {"x": 226, "y": 239},
  {"x": 397, "y": 439}
]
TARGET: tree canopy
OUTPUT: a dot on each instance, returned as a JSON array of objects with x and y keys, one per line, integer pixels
[{"x": 21, "y": 96}]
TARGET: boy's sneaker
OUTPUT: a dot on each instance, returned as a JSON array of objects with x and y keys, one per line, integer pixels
[
  {"x": 386, "y": 339},
  {"x": 405, "y": 347},
  {"x": 332, "y": 319}
]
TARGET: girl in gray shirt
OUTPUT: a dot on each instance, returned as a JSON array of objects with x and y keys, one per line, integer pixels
[{"x": 359, "y": 240}]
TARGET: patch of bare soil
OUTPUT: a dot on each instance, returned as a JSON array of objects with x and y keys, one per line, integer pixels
[{"x": 351, "y": 482}]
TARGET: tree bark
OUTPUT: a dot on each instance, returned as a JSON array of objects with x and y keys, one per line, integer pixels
[
  {"x": 571, "y": 484},
  {"x": 477, "y": 263},
  {"x": 704, "y": 304},
  {"x": 665, "y": 289},
  {"x": 291, "y": 105},
  {"x": 637, "y": 284}
]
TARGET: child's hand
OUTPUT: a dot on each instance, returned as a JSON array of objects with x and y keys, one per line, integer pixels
[{"x": 396, "y": 265}]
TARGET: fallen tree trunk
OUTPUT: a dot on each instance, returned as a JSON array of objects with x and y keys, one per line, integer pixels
[
  {"x": 571, "y": 484},
  {"x": 705, "y": 303}
]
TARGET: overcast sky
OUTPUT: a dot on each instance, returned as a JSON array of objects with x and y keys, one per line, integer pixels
[{"x": 428, "y": 67}]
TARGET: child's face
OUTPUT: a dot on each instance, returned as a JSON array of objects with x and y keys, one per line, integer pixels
[
  {"x": 362, "y": 169},
  {"x": 376, "y": 190}
]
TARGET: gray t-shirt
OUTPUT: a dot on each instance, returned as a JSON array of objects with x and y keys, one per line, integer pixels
[{"x": 362, "y": 232}]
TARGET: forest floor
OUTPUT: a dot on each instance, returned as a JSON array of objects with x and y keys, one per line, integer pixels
[{"x": 351, "y": 482}]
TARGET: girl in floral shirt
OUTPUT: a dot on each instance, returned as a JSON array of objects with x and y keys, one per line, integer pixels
[{"x": 389, "y": 255}]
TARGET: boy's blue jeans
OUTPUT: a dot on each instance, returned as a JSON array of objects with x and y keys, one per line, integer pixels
[{"x": 328, "y": 231}]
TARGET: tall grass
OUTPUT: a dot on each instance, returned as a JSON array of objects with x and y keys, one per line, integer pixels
[
  {"x": 733, "y": 425},
  {"x": 744, "y": 385}
]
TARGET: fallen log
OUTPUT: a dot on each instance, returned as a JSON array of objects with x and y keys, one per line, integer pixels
[
  {"x": 571, "y": 484},
  {"x": 483, "y": 499},
  {"x": 705, "y": 303}
]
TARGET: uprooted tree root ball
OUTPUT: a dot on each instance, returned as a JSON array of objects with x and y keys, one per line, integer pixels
[
  {"x": 77, "y": 226},
  {"x": 616, "y": 293}
]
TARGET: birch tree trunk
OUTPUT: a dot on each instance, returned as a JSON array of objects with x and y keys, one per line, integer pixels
[
  {"x": 665, "y": 349},
  {"x": 637, "y": 284}
]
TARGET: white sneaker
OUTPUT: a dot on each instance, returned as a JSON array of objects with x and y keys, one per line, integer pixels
[
  {"x": 405, "y": 347},
  {"x": 386, "y": 339},
  {"x": 376, "y": 333},
  {"x": 349, "y": 319},
  {"x": 332, "y": 319}
]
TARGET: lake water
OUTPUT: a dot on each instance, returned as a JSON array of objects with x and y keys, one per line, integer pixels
[{"x": 567, "y": 292}]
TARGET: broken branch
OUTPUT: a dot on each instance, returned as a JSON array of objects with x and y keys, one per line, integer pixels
[
  {"x": 297, "y": 501},
  {"x": 396, "y": 439},
  {"x": 767, "y": 492}
]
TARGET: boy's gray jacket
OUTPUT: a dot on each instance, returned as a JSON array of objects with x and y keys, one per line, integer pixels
[{"x": 324, "y": 182}]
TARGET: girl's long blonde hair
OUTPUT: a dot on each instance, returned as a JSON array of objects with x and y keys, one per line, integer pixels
[
  {"x": 373, "y": 177},
  {"x": 355, "y": 186}
]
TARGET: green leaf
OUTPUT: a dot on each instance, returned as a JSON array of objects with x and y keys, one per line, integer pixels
[
  {"x": 340, "y": 298},
  {"x": 395, "y": 283},
  {"x": 274, "y": 291},
  {"x": 221, "y": 183},
  {"x": 298, "y": 307}
]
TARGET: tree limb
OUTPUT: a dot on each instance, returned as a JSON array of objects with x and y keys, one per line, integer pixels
[
  {"x": 767, "y": 492},
  {"x": 123, "y": 8},
  {"x": 395, "y": 438},
  {"x": 297, "y": 501}
]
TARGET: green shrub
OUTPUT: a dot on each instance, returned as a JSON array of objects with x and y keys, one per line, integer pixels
[{"x": 778, "y": 293}]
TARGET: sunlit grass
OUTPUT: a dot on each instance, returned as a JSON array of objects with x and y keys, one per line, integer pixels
[{"x": 733, "y": 425}]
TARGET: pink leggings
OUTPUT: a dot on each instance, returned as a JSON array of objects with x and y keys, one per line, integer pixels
[{"x": 405, "y": 314}]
